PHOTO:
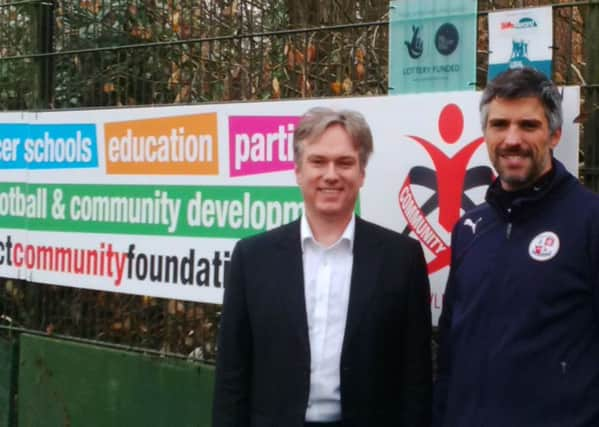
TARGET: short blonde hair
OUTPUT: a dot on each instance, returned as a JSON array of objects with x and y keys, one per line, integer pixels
[{"x": 317, "y": 120}]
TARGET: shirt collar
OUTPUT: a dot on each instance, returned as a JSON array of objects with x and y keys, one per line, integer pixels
[{"x": 347, "y": 235}]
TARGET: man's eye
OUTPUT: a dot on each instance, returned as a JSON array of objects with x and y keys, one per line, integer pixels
[{"x": 530, "y": 125}]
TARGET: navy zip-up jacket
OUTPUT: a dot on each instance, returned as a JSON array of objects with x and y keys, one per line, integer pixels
[{"x": 519, "y": 331}]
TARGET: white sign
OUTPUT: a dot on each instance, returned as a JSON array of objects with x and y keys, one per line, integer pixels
[
  {"x": 150, "y": 201},
  {"x": 520, "y": 38}
]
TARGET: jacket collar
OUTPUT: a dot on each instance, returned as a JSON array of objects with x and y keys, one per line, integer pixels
[{"x": 522, "y": 203}]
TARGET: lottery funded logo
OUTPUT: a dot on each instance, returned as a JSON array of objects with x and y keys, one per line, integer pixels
[
  {"x": 415, "y": 45},
  {"x": 446, "y": 185},
  {"x": 544, "y": 246}
]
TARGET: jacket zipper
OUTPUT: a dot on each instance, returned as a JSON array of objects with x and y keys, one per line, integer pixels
[
  {"x": 508, "y": 232},
  {"x": 564, "y": 401}
]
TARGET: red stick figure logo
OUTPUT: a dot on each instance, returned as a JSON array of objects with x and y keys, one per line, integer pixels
[{"x": 449, "y": 180}]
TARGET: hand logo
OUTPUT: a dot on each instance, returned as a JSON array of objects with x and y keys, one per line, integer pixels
[{"x": 415, "y": 45}]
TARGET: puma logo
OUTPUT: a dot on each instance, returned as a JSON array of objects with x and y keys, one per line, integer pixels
[{"x": 472, "y": 224}]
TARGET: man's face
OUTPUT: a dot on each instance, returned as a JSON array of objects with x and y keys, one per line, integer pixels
[
  {"x": 519, "y": 141},
  {"x": 329, "y": 175}
]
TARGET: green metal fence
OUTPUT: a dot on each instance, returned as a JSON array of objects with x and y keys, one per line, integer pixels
[
  {"x": 67, "y": 382},
  {"x": 8, "y": 380},
  {"x": 75, "y": 384}
]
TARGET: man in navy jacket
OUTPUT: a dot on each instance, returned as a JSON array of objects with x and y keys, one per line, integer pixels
[{"x": 519, "y": 331}]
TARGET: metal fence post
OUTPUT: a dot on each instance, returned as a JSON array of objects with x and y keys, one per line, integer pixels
[
  {"x": 43, "y": 16},
  {"x": 591, "y": 126}
]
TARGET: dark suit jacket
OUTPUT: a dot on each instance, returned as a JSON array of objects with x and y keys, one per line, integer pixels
[{"x": 263, "y": 362}]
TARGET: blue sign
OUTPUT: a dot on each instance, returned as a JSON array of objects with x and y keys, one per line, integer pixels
[
  {"x": 48, "y": 146},
  {"x": 432, "y": 46}
]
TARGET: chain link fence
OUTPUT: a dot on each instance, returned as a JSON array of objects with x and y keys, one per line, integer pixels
[{"x": 92, "y": 53}]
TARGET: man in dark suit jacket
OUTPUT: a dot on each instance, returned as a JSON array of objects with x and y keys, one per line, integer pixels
[{"x": 326, "y": 321}]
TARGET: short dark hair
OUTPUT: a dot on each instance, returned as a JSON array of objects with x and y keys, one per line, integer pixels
[
  {"x": 317, "y": 120},
  {"x": 523, "y": 83}
]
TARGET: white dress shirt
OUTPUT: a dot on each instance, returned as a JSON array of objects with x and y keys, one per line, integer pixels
[{"x": 327, "y": 276}]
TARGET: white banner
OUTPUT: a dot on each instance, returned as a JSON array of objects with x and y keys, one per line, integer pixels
[
  {"x": 521, "y": 38},
  {"x": 150, "y": 201}
]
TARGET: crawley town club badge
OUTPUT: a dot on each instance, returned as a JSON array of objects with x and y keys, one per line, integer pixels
[{"x": 544, "y": 246}]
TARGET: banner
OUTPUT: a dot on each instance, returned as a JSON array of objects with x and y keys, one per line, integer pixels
[
  {"x": 520, "y": 38},
  {"x": 432, "y": 46},
  {"x": 150, "y": 201}
]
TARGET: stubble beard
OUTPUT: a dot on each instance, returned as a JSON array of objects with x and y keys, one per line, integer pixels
[{"x": 520, "y": 180}]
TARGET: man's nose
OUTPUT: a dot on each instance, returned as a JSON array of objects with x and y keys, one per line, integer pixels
[
  {"x": 513, "y": 135},
  {"x": 330, "y": 171}
]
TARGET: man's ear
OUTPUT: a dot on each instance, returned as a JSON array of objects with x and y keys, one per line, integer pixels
[
  {"x": 297, "y": 171},
  {"x": 555, "y": 138}
]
